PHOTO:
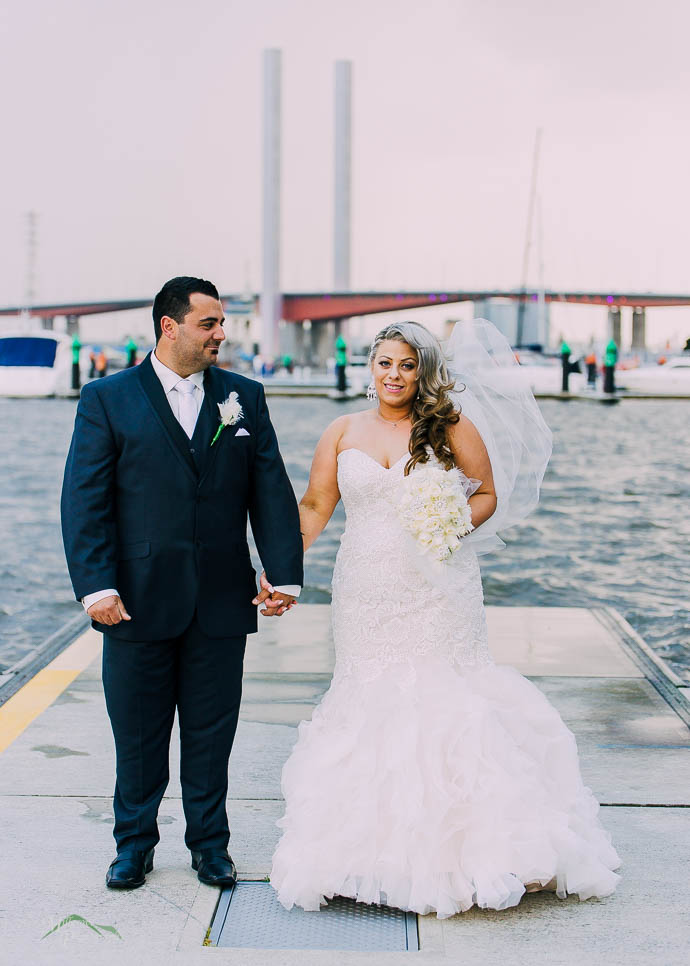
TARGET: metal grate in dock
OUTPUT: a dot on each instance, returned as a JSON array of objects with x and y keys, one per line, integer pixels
[{"x": 250, "y": 916}]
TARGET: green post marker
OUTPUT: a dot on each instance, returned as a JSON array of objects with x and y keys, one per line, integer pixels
[
  {"x": 340, "y": 363},
  {"x": 611, "y": 354},
  {"x": 610, "y": 359},
  {"x": 565, "y": 364},
  {"x": 131, "y": 348},
  {"x": 76, "y": 374}
]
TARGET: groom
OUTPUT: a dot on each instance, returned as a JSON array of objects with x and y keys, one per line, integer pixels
[{"x": 155, "y": 500}]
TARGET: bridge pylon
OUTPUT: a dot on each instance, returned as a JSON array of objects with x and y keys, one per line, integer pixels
[
  {"x": 271, "y": 301},
  {"x": 639, "y": 328},
  {"x": 613, "y": 331}
]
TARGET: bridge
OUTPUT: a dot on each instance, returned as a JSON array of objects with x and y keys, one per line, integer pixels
[
  {"x": 332, "y": 306},
  {"x": 320, "y": 307}
]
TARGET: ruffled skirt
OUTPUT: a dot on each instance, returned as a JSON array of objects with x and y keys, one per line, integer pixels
[{"x": 434, "y": 789}]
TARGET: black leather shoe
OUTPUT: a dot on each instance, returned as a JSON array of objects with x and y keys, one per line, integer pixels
[
  {"x": 214, "y": 867},
  {"x": 128, "y": 869}
]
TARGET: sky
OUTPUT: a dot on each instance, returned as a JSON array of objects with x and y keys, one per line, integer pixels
[{"x": 133, "y": 129}]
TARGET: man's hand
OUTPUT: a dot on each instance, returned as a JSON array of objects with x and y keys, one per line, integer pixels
[
  {"x": 109, "y": 610},
  {"x": 277, "y": 602}
]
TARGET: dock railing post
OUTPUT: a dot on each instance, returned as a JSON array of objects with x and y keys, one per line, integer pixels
[
  {"x": 610, "y": 358},
  {"x": 131, "y": 348},
  {"x": 76, "y": 374},
  {"x": 565, "y": 363},
  {"x": 340, "y": 364}
]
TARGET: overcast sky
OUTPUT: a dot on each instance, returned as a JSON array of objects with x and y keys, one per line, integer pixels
[{"x": 133, "y": 129}]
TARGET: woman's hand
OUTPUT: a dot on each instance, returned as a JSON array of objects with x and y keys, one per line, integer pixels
[{"x": 277, "y": 601}]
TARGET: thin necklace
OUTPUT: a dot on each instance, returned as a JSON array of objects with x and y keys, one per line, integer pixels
[{"x": 391, "y": 422}]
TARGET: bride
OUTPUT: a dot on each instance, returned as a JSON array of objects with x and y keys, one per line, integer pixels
[{"x": 430, "y": 778}]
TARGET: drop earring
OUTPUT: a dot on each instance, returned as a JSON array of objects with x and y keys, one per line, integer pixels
[{"x": 372, "y": 395}]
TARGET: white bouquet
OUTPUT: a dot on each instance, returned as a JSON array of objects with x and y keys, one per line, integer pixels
[{"x": 434, "y": 509}]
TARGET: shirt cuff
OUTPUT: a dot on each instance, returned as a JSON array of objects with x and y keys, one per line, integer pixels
[
  {"x": 91, "y": 599},
  {"x": 292, "y": 589}
]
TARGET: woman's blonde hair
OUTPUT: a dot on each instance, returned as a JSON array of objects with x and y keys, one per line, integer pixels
[{"x": 432, "y": 410}]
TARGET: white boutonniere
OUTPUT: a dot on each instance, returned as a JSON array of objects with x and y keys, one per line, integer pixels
[{"x": 230, "y": 413}]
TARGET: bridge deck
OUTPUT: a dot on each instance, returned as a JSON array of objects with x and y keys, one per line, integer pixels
[{"x": 319, "y": 306}]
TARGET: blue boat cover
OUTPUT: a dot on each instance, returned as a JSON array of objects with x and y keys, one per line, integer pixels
[{"x": 26, "y": 351}]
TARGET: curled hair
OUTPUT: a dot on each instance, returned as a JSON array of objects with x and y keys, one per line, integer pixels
[{"x": 433, "y": 411}]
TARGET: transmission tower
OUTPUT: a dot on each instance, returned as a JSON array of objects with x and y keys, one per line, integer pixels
[{"x": 31, "y": 246}]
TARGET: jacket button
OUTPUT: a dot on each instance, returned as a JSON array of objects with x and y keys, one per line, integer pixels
[{"x": 192, "y": 451}]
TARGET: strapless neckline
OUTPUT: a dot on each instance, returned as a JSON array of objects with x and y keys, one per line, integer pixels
[{"x": 386, "y": 469}]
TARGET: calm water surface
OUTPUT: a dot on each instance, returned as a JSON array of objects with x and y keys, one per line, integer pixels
[{"x": 612, "y": 526}]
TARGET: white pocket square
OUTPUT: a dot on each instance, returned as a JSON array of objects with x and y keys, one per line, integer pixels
[{"x": 241, "y": 432}]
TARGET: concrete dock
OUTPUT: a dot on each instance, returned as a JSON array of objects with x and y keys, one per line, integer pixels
[{"x": 628, "y": 712}]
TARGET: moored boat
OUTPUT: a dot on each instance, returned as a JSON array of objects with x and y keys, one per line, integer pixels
[
  {"x": 670, "y": 378},
  {"x": 37, "y": 363}
]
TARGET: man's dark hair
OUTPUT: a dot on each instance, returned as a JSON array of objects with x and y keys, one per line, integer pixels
[{"x": 173, "y": 299}]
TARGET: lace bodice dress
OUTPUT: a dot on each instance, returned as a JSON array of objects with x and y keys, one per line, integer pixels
[
  {"x": 429, "y": 777},
  {"x": 383, "y": 613}
]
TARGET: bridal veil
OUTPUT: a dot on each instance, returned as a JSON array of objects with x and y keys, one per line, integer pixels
[{"x": 494, "y": 393}]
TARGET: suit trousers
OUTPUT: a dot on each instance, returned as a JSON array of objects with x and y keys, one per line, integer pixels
[{"x": 144, "y": 682}]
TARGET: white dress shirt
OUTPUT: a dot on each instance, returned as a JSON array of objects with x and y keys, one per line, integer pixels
[{"x": 169, "y": 380}]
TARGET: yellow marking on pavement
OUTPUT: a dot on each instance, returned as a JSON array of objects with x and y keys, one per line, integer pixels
[{"x": 39, "y": 693}]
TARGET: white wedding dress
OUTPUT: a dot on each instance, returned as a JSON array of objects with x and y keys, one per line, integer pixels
[{"x": 429, "y": 778}]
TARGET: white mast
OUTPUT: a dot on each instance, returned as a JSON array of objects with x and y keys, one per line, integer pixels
[
  {"x": 542, "y": 333},
  {"x": 528, "y": 238},
  {"x": 31, "y": 244}
]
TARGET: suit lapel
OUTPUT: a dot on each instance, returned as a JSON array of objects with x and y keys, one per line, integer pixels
[
  {"x": 215, "y": 391},
  {"x": 161, "y": 407}
]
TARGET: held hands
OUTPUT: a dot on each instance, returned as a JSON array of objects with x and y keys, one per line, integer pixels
[
  {"x": 109, "y": 610},
  {"x": 277, "y": 602}
]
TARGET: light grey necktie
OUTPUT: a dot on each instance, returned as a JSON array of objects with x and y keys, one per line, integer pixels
[{"x": 188, "y": 411}]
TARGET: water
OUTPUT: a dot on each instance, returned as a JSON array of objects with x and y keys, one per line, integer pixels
[{"x": 612, "y": 526}]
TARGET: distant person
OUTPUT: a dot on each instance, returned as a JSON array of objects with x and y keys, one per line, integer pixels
[
  {"x": 340, "y": 364},
  {"x": 155, "y": 501},
  {"x": 92, "y": 365},
  {"x": 430, "y": 778},
  {"x": 591, "y": 363},
  {"x": 101, "y": 364}
]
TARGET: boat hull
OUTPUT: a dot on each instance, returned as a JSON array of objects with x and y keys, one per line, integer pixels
[{"x": 35, "y": 365}]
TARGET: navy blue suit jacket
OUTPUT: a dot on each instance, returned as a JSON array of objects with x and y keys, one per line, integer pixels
[{"x": 163, "y": 518}]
